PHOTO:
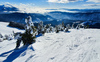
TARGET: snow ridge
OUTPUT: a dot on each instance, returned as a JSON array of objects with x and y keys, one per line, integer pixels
[{"x": 80, "y": 45}]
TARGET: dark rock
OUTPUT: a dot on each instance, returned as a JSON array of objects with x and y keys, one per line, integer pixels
[{"x": 16, "y": 25}]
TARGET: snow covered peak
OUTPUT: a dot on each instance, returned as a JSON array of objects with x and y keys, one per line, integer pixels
[
  {"x": 8, "y": 8},
  {"x": 7, "y": 5}
]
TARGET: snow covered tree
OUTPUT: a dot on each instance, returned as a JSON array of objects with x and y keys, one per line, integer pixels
[
  {"x": 40, "y": 28},
  {"x": 62, "y": 26},
  {"x": 28, "y": 37},
  {"x": 8, "y": 37},
  {"x": 52, "y": 29},
  {"x": 1, "y": 36},
  {"x": 66, "y": 29},
  {"x": 40, "y": 25},
  {"x": 73, "y": 25},
  {"x": 68, "y": 26},
  {"x": 57, "y": 29},
  {"x": 47, "y": 28},
  {"x": 78, "y": 26},
  {"x": 30, "y": 32}
]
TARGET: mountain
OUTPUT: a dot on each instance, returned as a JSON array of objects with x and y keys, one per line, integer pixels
[
  {"x": 83, "y": 16},
  {"x": 82, "y": 45},
  {"x": 82, "y": 10},
  {"x": 11, "y": 13},
  {"x": 20, "y": 17},
  {"x": 7, "y": 8}
]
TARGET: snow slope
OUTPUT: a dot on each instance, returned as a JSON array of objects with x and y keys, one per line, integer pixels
[
  {"x": 81, "y": 45},
  {"x": 4, "y": 29}
]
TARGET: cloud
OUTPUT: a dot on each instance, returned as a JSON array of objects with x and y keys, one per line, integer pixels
[
  {"x": 63, "y": 1},
  {"x": 30, "y": 8},
  {"x": 67, "y": 1},
  {"x": 93, "y": 5},
  {"x": 27, "y": 8},
  {"x": 97, "y": 1}
]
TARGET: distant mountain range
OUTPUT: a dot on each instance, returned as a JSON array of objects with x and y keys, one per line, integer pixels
[
  {"x": 10, "y": 13},
  {"x": 7, "y": 8}
]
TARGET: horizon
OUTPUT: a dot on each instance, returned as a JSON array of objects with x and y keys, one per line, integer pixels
[{"x": 41, "y": 5}]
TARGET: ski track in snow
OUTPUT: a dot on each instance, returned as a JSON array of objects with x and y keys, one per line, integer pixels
[{"x": 81, "y": 45}]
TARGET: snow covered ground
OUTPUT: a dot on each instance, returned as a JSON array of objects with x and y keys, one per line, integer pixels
[
  {"x": 81, "y": 45},
  {"x": 4, "y": 29}
]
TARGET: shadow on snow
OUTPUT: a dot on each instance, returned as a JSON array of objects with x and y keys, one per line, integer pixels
[{"x": 15, "y": 53}]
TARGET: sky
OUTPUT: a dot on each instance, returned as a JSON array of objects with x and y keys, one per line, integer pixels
[{"x": 53, "y": 4}]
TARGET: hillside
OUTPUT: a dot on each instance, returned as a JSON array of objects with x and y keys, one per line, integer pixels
[
  {"x": 81, "y": 45},
  {"x": 10, "y": 13}
]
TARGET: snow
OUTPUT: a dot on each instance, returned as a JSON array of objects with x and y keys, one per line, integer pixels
[
  {"x": 7, "y": 30},
  {"x": 81, "y": 45}
]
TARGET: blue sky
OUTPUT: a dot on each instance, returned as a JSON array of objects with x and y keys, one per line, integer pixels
[
  {"x": 54, "y": 4},
  {"x": 57, "y": 3}
]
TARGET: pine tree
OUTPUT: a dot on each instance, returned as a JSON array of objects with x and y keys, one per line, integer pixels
[
  {"x": 78, "y": 26},
  {"x": 63, "y": 26},
  {"x": 1, "y": 36},
  {"x": 28, "y": 37},
  {"x": 30, "y": 32},
  {"x": 47, "y": 28},
  {"x": 40, "y": 28},
  {"x": 56, "y": 29},
  {"x": 66, "y": 29},
  {"x": 68, "y": 26},
  {"x": 73, "y": 25}
]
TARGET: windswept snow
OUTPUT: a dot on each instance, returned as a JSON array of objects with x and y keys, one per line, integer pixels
[
  {"x": 81, "y": 45},
  {"x": 4, "y": 29}
]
